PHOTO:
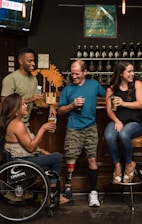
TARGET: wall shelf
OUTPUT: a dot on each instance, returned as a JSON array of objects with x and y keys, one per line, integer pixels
[
  {"x": 107, "y": 59},
  {"x": 104, "y": 77}
]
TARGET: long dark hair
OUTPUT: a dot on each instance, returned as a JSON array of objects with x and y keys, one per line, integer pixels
[
  {"x": 9, "y": 108},
  {"x": 116, "y": 78}
]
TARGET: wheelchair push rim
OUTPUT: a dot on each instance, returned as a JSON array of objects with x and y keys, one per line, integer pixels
[{"x": 24, "y": 190}]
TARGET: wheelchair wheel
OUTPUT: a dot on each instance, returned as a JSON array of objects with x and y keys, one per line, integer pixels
[{"x": 24, "y": 190}]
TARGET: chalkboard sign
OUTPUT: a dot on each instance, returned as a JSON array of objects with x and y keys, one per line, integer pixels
[{"x": 100, "y": 21}]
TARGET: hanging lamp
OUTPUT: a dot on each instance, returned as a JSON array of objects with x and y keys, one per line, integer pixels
[
  {"x": 123, "y": 7},
  {"x": 24, "y": 9}
]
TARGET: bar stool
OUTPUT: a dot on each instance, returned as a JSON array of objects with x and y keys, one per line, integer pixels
[{"x": 137, "y": 142}]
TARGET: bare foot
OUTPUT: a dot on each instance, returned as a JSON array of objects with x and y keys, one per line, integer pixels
[{"x": 63, "y": 200}]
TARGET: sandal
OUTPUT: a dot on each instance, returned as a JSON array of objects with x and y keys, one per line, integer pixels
[
  {"x": 129, "y": 173},
  {"x": 117, "y": 178},
  {"x": 117, "y": 174}
]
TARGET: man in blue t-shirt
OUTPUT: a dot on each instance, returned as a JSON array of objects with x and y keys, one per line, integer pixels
[{"x": 79, "y": 100}]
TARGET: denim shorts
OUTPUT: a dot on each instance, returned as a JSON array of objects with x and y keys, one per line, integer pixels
[{"x": 83, "y": 139}]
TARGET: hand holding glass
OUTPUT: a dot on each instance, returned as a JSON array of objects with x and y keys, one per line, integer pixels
[
  {"x": 113, "y": 103},
  {"x": 52, "y": 119},
  {"x": 39, "y": 101},
  {"x": 80, "y": 102}
]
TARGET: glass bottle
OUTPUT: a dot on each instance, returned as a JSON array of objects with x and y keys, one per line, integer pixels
[
  {"x": 79, "y": 52},
  {"x": 140, "y": 66},
  {"x": 97, "y": 52},
  {"x": 85, "y": 52},
  {"x": 91, "y": 52},
  {"x": 138, "y": 50},
  {"x": 103, "y": 52},
  {"x": 108, "y": 66},
  {"x": 39, "y": 89},
  {"x": 131, "y": 50},
  {"x": 116, "y": 52},
  {"x": 110, "y": 52},
  {"x": 91, "y": 66},
  {"x": 100, "y": 67},
  {"x": 124, "y": 50}
]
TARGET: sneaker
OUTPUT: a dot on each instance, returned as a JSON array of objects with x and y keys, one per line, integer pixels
[{"x": 93, "y": 199}]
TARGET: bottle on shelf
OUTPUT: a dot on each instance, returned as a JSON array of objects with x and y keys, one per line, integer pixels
[
  {"x": 97, "y": 52},
  {"x": 85, "y": 52},
  {"x": 124, "y": 50},
  {"x": 140, "y": 66},
  {"x": 110, "y": 52},
  {"x": 115, "y": 63},
  {"x": 91, "y": 52},
  {"x": 91, "y": 66},
  {"x": 79, "y": 52},
  {"x": 131, "y": 50},
  {"x": 108, "y": 66},
  {"x": 138, "y": 50},
  {"x": 138, "y": 53},
  {"x": 134, "y": 64},
  {"x": 100, "y": 66},
  {"x": 100, "y": 78},
  {"x": 108, "y": 79},
  {"x": 116, "y": 52},
  {"x": 103, "y": 52}
]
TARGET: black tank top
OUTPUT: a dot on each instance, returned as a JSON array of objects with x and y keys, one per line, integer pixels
[{"x": 124, "y": 114}]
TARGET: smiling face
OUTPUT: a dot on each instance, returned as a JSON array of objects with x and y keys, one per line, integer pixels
[
  {"x": 77, "y": 75},
  {"x": 128, "y": 74},
  {"x": 27, "y": 62},
  {"x": 23, "y": 109}
]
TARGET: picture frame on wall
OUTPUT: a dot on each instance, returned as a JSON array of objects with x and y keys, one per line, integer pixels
[
  {"x": 43, "y": 61},
  {"x": 100, "y": 21}
]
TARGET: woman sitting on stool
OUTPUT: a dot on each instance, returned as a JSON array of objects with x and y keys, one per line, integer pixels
[{"x": 125, "y": 93}]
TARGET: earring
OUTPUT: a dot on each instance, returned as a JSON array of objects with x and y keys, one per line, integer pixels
[{"x": 16, "y": 114}]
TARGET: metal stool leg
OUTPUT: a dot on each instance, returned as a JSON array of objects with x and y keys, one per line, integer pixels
[{"x": 132, "y": 199}]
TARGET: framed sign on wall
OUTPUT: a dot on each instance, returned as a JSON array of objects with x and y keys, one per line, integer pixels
[
  {"x": 100, "y": 21},
  {"x": 43, "y": 61}
]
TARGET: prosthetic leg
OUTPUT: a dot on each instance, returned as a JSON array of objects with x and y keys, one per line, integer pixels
[{"x": 70, "y": 167}]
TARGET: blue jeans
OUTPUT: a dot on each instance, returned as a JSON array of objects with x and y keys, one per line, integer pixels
[
  {"x": 123, "y": 139},
  {"x": 52, "y": 161}
]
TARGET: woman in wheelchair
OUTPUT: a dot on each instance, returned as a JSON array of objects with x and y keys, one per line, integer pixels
[{"x": 21, "y": 144}]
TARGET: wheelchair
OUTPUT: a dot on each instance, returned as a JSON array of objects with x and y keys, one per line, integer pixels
[{"x": 25, "y": 191}]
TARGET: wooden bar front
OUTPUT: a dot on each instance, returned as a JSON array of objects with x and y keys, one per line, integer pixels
[{"x": 55, "y": 142}]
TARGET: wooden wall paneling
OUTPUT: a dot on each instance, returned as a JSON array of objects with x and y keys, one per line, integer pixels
[{"x": 9, "y": 44}]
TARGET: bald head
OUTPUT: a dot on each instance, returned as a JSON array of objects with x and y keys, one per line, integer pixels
[{"x": 79, "y": 64}]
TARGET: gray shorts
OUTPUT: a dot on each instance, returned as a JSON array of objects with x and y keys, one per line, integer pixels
[{"x": 84, "y": 139}]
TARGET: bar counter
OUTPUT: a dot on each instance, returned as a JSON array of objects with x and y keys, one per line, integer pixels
[{"x": 55, "y": 142}]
